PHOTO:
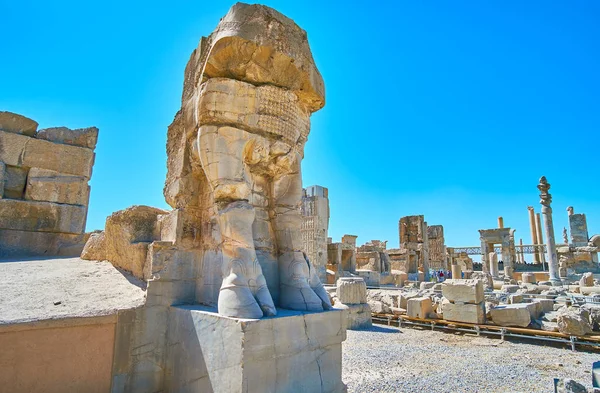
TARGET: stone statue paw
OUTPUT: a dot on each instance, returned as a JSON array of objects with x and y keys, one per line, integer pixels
[
  {"x": 244, "y": 295},
  {"x": 296, "y": 291}
]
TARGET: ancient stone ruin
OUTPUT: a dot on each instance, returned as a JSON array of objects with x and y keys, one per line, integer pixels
[
  {"x": 315, "y": 224},
  {"x": 44, "y": 189},
  {"x": 232, "y": 247}
]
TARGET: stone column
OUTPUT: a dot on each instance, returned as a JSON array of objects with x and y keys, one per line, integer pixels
[
  {"x": 540, "y": 236},
  {"x": 532, "y": 228},
  {"x": 521, "y": 254},
  {"x": 500, "y": 222},
  {"x": 456, "y": 271},
  {"x": 484, "y": 255},
  {"x": 546, "y": 200}
]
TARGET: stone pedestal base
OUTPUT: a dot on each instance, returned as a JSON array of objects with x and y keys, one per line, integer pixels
[
  {"x": 292, "y": 352},
  {"x": 359, "y": 315}
]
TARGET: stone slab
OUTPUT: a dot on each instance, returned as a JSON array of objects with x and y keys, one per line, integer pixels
[
  {"x": 42, "y": 216},
  {"x": 464, "y": 291},
  {"x": 373, "y": 279},
  {"x": 419, "y": 307},
  {"x": 30, "y": 287},
  {"x": 517, "y": 315},
  {"x": 18, "y": 124},
  {"x": 468, "y": 313},
  {"x": 21, "y": 150},
  {"x": 22, "y": 243},
  {"x": 52, "y": 186},
  {"x": 292, "y": 352},
  {"x": 82, "y": 137}
]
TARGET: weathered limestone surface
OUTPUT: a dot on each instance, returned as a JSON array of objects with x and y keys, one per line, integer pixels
[
  {"x": 128, "y": 234},
  {"x": 95, "y": 247},
  {"x": 52, "y": 186},
  {"x": 43, "y": 187},
  {"x": 517, "y": 315},
  {"x": 14, "y": 182},
  {"x": 293, "y": 352},
  {"x": 42, "y": 216},
  {"x": 469, "y": 313},
  {"x": 234, "y": 166},
  {"x": 23, "y": 151},
  {"x": 419, "y": 307},
  {"x": 351, "y": 290},
  {"x": 18, "y": 124},
  {"x": 464, "y": 291},
  {"x": 573, "y": 321},
  {"x": 528, "y": 278},
  {"x": 23, "y": 243},
  {"x": 82, "y": 137}
]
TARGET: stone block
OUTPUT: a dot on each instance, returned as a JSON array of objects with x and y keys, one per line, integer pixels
[
  {"x": 535, "y": 310},
  {"x": 168, "y": 263},
  {"x": 42, "y": 216},
  {"x": 18, "y": 124},
  {"x": 52, "y": 186},
  {"x": 23, "y": 151},
  {"x": 292, "y": 352},
  {"x": 12, "y": 147},
  {"x": 95, "y": 247},
  {"x": 464, "y": 312},
  {"x": 419, "y": 307},
  {"x": 546, "y": 305},
  {"x": 82, "y": 137},
  {"x": 14, "y": 182},
  {"x": 359, "y": 315},
  {"x": 128, "y": 234},
  {"x": 15, "y": 243},
  {"x": 351, "y": 290},
  {"x": 528, "y": 278},
  {"x": 66, "y": 159},
  {"x": 514, "y": 299},
  {"x": 464, "y": 291},
  {"x": 511, "y": 315},
  {"x": 573, "y": 321}
]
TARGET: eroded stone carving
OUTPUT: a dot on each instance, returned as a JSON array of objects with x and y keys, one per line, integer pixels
[{"x": 235, "y": 151}]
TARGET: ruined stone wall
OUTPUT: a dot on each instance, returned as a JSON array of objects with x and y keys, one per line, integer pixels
[
  {"x": 437, "y": 247},
  {"x": 44, "y": 189},
  {"x": 579, "y": 231},
  {"x": 315, "y": 224}
]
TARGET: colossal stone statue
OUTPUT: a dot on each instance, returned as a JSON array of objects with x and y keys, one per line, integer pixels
[{"x": 234, "y": 169}]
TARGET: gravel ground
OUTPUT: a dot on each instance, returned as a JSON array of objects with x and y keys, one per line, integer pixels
[
  {"x": 29, "y": 289},
  {"x": 387, "y": 359}
]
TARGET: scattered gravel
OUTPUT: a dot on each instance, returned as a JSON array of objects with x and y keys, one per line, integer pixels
[
  {"x": 387, "y": 359},
  {"x": 36, "y": 290}
]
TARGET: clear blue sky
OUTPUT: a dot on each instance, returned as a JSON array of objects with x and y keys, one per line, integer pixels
[{"x": 448, "y": 109}]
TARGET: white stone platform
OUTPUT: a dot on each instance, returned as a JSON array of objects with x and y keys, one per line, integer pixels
[{"x": 292, "y": 352}]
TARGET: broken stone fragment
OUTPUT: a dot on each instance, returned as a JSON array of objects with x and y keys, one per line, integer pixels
[
  {"x": 128, "y": 234},
  {"x": 82, "y": 137},
  {"x": 573, "y": 321},
  {"x": 465, "y": 291},
  {"x": 95, "y": 247},
  {"x": 419, "y": 307},
  {"x": 17, "y": 124},
  {"x": 351, "y": 290}
]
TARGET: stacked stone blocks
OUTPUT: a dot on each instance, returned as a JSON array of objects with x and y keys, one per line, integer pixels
[
  {"x": 44, "y": 189},
  {"x": 465, "y": 301}
]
